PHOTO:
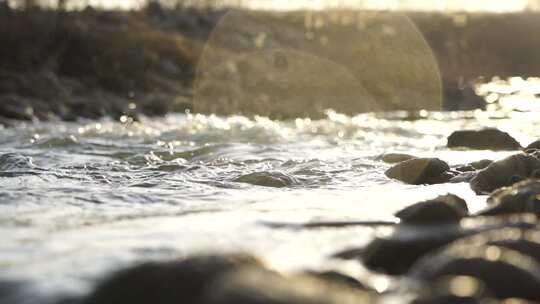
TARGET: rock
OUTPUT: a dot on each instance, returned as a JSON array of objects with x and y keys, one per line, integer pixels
[
  {"x": 420, "y": 171},
  {"x": 501, "y": 173},
  {"x": 392, "y": 158},
  {"x": 477, "y": 165},
  {"x": 261, "y": 286},
  {"x": 485, "y": 139},
  {"x": 453, "y": 289},
  {"x": 465, "y": 177},
  {"x": 506, "y": 273},
  {"x": 337, "y": 277},
  {"x": 522, "y": 197},
  {"x": 525, "y": 241},
  {"x": 268, "y": 179},
  {"x": 481, "y": 164},
  {"x": 444, "y": 208},
  {"x": 533, "y": 146},
  {"x": 168, "y": 282},
  {"x": 395, "y": 252},
  {"x": 461, "y": 97}
]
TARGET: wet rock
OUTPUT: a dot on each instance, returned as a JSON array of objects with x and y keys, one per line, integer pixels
[
  {"x": 420, "y": 171},
  {"x": 533, "y": 146},
  {"x": 337, "y": 277},
  {"x": 261, "y": 286},
  {"x": 395, "y": 252},
  {"x": 485, "y": 139},
  {"x": 477, "y": 165},
  {"x": 525, "y": 241},
  {"x": 453, "y": 290},
  {"x": 268, "y": 179},
  {"x": 167, "y": 283},
  {"x": 392, "y": 158},
  {"x": 522, "y": 197},
  {"x": 444, "y": 208},
  {"x": 465, "y": 177},
  {"x": 501, "y": 173},
  {"x": 506, "y": 273}
]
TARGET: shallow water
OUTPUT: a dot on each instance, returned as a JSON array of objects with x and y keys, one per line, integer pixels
[{"x": 78, "y": 200}]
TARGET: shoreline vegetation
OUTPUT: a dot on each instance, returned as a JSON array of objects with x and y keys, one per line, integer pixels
[{"x": 92, "y": 63}]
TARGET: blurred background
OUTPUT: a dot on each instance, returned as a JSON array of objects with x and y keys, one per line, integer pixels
[{"x": 67, "y": 59}]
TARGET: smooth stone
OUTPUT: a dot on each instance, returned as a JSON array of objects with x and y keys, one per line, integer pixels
[
  {"x": 485, "y": 139},
  {"x": 174, "y": 282},
  {"x": 506, "y": 273},
  {"x": 393, "y": 158},
  {"x": 394, "y": 253},
  {"x": 268, "y": 179},
  {"x": 500, "y": 173},
  {"x": 521, "y": 197},
  {"x": 444, "y": 208},
  {"x": 420, "y": 171},
  {"x": 261, "y": 286}
]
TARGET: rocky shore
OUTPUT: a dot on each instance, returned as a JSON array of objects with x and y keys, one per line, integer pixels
[{"x": 437, "y": 251}]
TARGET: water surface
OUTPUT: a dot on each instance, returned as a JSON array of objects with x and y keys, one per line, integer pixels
[{"x": 78, "y": 200}]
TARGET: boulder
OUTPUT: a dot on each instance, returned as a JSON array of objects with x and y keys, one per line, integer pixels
[
  {"x": 533, "y": 146},
  {"x": 503, "y": 173},
  {"x": 444, "y": 208},
  {"x": 485, "y": 139},
  {"x": 453, "y": 289},
  {"x": 421, "y": 171},
  {"x": 261, "y": 286},
  {"x": 395, "y": 252},
  {"x": 521, "y": 197},
  {"x": 174, "y": 282},
  {"x": 506, "y": 273},
  {"x": 525, "y": 241}
]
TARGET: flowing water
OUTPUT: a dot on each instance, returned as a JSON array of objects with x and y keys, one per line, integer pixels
[{"x": 78, "y": 200}]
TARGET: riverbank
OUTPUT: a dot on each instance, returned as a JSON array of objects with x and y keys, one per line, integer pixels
[{"x": 89, "y": 64}]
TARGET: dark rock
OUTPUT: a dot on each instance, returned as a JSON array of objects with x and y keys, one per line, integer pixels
[
  {"x": 444, "y": 208},
  {"x": 337, "y": 277},
  {"x": 506, "y": 273},
  {"x": 500, "y": 173},
  {"x": 461, "y": 97},
  {"x": 481, "y": 164},
  {"x": 453, "y": 290},
  {"x": 261, "y": 286},
  {"x": 465, "y": 177},
  {"x": 396, "y": 252},
  {"x": 533, "y": 146},
  {"x": 522, "y": 197},
  {"x": 392, "y": 158},
  {"x": 477, "y": 165},
  {"x": 268, "y": 179},
  {"x": 525, "y": 241},
  {"x": 167, "y": 283},
  {"x": 420, "y": 171},
  {"x": 485, "y": 139}
]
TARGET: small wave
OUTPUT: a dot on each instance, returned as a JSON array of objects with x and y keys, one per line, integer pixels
[{"x": 15, "y": 162}]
